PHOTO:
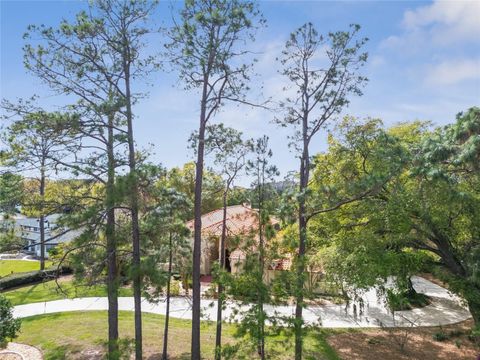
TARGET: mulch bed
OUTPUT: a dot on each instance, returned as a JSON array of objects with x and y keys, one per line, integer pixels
[{"x": 386, "y": 344}]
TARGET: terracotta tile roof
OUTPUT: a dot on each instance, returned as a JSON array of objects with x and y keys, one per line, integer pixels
[
  {"x": 281, "y": 264},
  {"x": 241, "y": 219}
]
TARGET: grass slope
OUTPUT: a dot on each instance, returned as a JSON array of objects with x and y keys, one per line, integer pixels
[
  {"x": 82, "y": 335},
  {"x": 8, "y": 267},
  {"x": 48, "y": 291}
]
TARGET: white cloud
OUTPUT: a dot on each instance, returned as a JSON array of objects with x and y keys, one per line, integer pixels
[
  {"x": 377, "y": 61},
  {"x": 446, "y": 21},
  {"x": 440, "y": 24},
  {"x": 452, "y": 72}
]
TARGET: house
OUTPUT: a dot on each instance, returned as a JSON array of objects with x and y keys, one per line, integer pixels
[
  {"x": 10, "y": 221},
  {"x": 242, "y": 226},
  {"x": 29, "y": 230}
]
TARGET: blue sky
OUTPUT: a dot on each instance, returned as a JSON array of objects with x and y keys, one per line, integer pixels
[{"x": 424, "y": 63}]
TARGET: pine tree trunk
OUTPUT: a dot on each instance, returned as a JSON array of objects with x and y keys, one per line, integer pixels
[
  {"x": 112, "y": 273},
  {"x": 302, "y": 227},
  {"x": 197, "y": 235},
  {"x": 261, "y": 345},
  {"x": 411, "y": 292},
  {"x": 136, "y": 259},
  {"x": 42, "y": 216},
  {"x": 218, "y": 338},
  {"x": 137, "y": 279},
  {"x": 474, "y": 307},
  {"x": 197, "y": 249},
  {"x": 167, "y": 312},
  {"x": 472, "y": 297}
]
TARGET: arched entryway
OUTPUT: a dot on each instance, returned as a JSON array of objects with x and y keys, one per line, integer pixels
[{"x": 228, "y": 265}]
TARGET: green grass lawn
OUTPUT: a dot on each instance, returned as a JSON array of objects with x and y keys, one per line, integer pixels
[
  {"x": 82, "y": 335},
  {"x": 47, "y": 291},
  {"x": 8, "y": 267}
]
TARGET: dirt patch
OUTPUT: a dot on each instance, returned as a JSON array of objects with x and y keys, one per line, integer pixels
[{"x": 381, "y": 344}]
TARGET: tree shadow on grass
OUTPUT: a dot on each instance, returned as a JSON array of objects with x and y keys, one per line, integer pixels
[
  {"x": 158, "y": 356},
  {"x": 25, "y": 295},
  {"x": 50, "y": 316}
]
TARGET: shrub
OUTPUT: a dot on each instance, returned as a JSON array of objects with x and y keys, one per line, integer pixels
[
  {"x": 211, "y": 292},
  {"x": 174, "y": 288},
  {"x": 9, "y": 326},
  {"x": 440, "y": 336},
  {"x": 54, "y": 251},
  {"x": 406, "y": 300},
  {"x": 10, "y": 242},
  {"x": 455, "y": 333},
  {"x": 25, "y": 278},
  {"x": 474, "y": 335}
]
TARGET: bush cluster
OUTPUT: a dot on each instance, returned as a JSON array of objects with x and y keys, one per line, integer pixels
[
  {"x": 9, "y": 326},
  {"x": 30, "y": 277}
]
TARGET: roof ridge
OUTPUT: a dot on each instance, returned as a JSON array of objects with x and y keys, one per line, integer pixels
[
  {"x": 218, "y": 222},
  {"x": 221, "y": 209}
]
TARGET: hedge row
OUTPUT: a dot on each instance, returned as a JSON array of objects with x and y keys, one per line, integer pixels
[{"x": 30, "y": 277}]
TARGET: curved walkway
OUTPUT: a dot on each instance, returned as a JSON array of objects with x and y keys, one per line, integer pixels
[{"x": 444, "y": 309}]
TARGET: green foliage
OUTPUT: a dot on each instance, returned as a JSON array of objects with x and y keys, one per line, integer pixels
[
  {"x": 328, "y": 85},
  {"x": 24, "y": 278},
  {"x": 238, "y": 196},
  {"x": 249, "y": 285},
  {"x": 424, "y": 214},
  {"x": 228, "y": 150},
  {"x": 440, "y": 335},
  {"x": 9, "y": 326},
  {"x": 207, "y": 48},
  {"x": 11, "y": 192},
  {"x": 405, "y": 300},
  {"x": 208, "y": 38},
  {"x": 175, "y": 288},
  {"x": 282, "y": 286},
  {"x": 9, "y": 240},
  {"x": 183, "y": 181},
  {"x": 474, "y": 335},
  {"x": 35, "y": 139},
  {"x": 165, "y": 233},
  {"x": 322, "y": 90},
  {"x": 352, "y": 173}
]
